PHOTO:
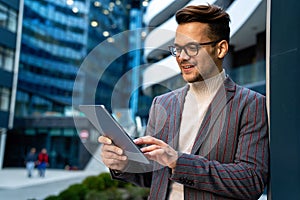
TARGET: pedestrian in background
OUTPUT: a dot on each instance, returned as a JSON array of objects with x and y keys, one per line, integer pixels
[
  {"x": 30, "y": 161},
  {"x": 43, "y": 162}
]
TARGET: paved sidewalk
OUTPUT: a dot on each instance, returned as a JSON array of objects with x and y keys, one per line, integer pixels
[
  {"x": 14, "y": 178},
  {"x": 15, "y": 185}
]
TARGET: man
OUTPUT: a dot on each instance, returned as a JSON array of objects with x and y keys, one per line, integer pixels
[
  {"x": 210, "y": 138},
  {"x": 30, "y": 161}
]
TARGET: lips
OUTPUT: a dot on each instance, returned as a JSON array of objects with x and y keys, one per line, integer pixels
[{"x": 187, "y": 66}]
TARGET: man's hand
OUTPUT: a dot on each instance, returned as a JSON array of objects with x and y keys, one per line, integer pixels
[
  {"x": 158, "y": 151},
  {"x": 112, "y": 156}
]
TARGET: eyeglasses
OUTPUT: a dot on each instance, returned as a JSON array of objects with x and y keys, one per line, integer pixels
[{"x": 191, "y": 49}]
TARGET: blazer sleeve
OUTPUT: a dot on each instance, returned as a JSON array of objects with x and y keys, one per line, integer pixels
[
  {"x": 246, "y": 176},
  {"x": 139, "y": 179}
]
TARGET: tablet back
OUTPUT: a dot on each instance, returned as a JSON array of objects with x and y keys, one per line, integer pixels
[{"x": 109, "y": 127}]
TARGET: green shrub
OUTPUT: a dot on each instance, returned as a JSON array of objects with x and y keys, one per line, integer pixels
[
  {"x": 137, "y": 193},
  {"x": 102, "y": 187},
  {"x": 52, "y": 197},
  {"x": 74, "y": 192},
  {"x": 100, "y": 182},
  {"x": 109, "y": 194},
  {"x": 108, "y": 181},
  {"x": 95, "y": 195},
  {"x": 94, "y": 183}
]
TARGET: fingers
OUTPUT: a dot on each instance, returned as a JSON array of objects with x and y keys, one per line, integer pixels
[
  {"x": 113, "y": 162},
  {"x": 112, "y": 156},
  {"x": 109, "y": 150},
  {"x": 108, "y": 153},
  {"x": 150, "y": 148},
  {"x": 112, "y": 148},
  {"x": 150, "y": 140},
  {"x": 158, "y": 151},
  {"x": 154, "y": 144},
  {"x": 104, "y": 140}
]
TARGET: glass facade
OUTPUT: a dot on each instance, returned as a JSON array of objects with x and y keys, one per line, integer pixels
[
  {"x": 9, "y": 55},
  {"x": 54, "y": 43},
  {"x": 8, "y": 18},
  {"x": 4, "y": 99},
  {"x": 8, "y": 33},
  {"x": 6, "y": 58},
  {"x": 107, "y": 19},
  {"x": 57, "y": 37}
]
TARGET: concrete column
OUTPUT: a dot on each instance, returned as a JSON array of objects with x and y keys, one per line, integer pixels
[{"x": 2, "y": 146}]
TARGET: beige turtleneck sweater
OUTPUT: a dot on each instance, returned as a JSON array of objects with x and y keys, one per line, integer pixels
[{"x": 195, "y": 106}]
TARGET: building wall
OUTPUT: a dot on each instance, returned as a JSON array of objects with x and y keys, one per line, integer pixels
[
  {"x": 9, "y": 11},
  {"x": 57, "y": 37},
  {"x": 54, "y": 43},
  {"x": 59, "y": 135},
  {"x": 284, "y": 98}
]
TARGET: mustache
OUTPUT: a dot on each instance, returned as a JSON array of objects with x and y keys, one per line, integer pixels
[{"x": 185, "y": 63}]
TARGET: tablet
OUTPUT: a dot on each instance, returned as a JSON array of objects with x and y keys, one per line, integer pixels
[{"x": 109, "y": 127}]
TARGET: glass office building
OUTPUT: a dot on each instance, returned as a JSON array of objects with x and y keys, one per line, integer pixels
[
  {"x": 54, "y": 43},
  {"x": 10, "y": 33},
  {"x": 57, "y": 37}
]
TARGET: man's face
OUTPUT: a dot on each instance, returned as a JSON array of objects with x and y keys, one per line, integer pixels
[{"x": 203, "y": 65}]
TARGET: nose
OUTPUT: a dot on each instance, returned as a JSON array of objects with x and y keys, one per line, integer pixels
[{"x": 183, "y": 55}]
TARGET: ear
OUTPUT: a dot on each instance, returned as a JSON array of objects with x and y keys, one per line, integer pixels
[{"x": 222, "y": 49}]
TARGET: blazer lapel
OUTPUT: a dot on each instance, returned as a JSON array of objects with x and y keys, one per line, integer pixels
[
  {"x": 177, "y": 107},
  {"x": 219, "y": 102}
]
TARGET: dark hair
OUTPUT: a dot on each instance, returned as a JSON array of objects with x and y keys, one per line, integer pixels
[{"x": 216, "y": 18}]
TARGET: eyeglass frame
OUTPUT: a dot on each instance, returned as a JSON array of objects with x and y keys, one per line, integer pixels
[{"x": 197, "y": 44}]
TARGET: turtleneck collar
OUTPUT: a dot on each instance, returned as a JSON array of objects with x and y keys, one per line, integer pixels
[{"x": 208, "y": 86}]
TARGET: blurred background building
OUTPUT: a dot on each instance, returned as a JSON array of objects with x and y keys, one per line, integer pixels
[
  {"x": 57, "y": 37},
  {"x": 10, "y": 32}
]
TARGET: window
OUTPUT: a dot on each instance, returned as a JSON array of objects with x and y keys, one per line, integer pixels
[
  {"x": 6, "y": 59},
  {"x": 3, "y": 16},
  {"x": 8, "y": 18},
  {"x": 12, "y": 21},
  {"x": 4, "y": 99}
]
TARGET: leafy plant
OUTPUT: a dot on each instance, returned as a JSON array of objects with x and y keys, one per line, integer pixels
[{"x": 102, "y": 187}]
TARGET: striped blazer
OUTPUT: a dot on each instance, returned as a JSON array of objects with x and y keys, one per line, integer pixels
[{"x": 230, "y": 155}]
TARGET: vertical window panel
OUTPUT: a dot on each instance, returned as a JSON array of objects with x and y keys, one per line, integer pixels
[
  {"x": 12, "y": 21},
  {"x": 4, "y": 99},
  {"x": 3, "y": 16}
]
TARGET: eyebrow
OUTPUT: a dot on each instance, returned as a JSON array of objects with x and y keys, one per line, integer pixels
[
  {"x": 189, "y": 43},
  {"x": 200, "y": 43}
]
